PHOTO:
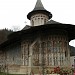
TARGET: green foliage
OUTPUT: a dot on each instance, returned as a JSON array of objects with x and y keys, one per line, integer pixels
[{"x": 3, "y": 34}]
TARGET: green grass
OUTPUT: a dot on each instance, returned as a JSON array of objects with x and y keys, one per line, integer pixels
[
  {"x": 15, "y": 74},
  {"x": 1, "y": 73}
]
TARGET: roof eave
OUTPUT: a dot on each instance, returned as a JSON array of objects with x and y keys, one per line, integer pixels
[{"x": 39, "y": 11}]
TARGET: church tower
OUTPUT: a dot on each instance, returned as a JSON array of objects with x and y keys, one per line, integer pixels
[
  {"x": 39, "y": 49},
  {"x": 39, "y": 15}
]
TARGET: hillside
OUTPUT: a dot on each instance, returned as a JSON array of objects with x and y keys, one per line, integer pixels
[{"x": 3, "y": 35}]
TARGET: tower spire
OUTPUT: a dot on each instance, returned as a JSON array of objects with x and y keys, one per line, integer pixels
[
  {"x": 39, "y": 15},
  {"x": 39, "y": 5},
  {"x": 39, "y": 8}
]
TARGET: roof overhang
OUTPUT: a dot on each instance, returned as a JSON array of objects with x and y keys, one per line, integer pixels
[
  {"x": 67, "y": 27},
  {"x": 39, "y": 11},
  {"x": 35, "y": 30}
]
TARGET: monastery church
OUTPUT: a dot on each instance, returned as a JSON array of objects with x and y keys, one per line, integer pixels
[{"x": 38, "y": 48}]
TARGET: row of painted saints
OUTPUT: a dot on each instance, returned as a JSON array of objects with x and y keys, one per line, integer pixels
[{"x": 50, "y": 52}]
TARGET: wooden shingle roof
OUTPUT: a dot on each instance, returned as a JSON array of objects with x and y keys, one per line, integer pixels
[{"x": 39, "y": 8}]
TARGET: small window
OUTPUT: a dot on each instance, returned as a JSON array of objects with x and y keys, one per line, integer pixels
[
  {"x": 42, "y": 18},
  {"x": 44, "y": 21},
  {"x": 32, "y": 22},
  {"x": 38, "y": 18},
  {"x": 35, "y": 18}
]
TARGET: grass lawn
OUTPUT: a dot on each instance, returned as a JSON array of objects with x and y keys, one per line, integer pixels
[{"x": 10, "y": 74}]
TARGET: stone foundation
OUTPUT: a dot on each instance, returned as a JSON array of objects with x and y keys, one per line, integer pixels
[{"x": 17, "y": 69}]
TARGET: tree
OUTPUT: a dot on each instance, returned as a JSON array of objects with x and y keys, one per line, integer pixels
[
  {"x": 3, "y": 34},
  {"x": 15, "y": 28}
]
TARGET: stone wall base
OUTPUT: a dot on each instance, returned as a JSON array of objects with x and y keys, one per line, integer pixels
[{"x": 17, "y": 69}]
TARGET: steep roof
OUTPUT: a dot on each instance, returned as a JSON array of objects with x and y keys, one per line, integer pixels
[
  {"x": 36, "y": 30},
  {"x": 70, "y": 29},
  {"x": 52, "y": 22},
  {"x": 39, "y": 8},
  {"x": 39, "y": 5},
  {"x": 26, "y": 27}
]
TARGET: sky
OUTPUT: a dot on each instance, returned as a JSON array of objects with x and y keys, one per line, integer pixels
[{"x": 13, "y": 13}]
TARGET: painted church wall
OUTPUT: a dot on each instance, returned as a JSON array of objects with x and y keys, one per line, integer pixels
[
  {"x": 13, "y": 55},
  {"x": 55, "y": 50},
  {"x": 2, "y": 57},
  {"x": 2, "y": 60}
]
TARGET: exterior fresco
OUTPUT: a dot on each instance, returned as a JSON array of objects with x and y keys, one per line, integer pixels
[{"x": 38, "y": 49}]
